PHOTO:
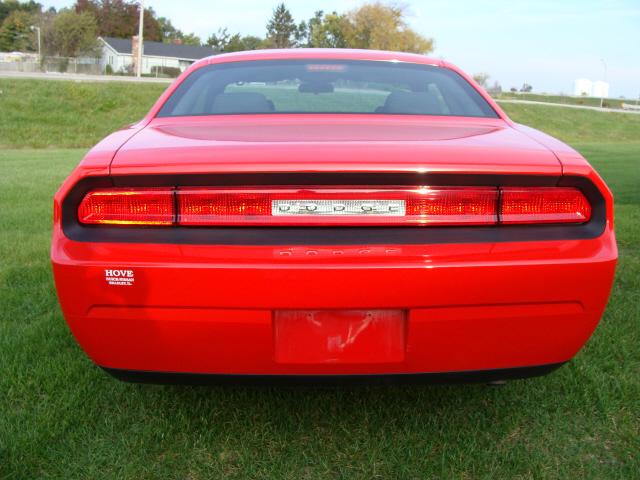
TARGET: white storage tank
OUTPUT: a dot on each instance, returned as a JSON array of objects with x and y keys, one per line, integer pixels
[
  {"x": 583, "y": 87},
  {"x": 600, "y": 89}
]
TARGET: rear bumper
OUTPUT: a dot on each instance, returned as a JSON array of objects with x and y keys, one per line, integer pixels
[
  {"x": 203, "y": 309},
  {"x": 480, "y": 376}
]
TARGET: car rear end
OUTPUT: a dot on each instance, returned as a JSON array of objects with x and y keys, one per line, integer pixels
[{"x": 411, "y": 248}]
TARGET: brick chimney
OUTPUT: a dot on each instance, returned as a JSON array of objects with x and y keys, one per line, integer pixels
[{"x": 135, "y": 45}]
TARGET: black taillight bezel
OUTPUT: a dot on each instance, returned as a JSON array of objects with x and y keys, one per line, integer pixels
[{"x": 278, "y": 236}]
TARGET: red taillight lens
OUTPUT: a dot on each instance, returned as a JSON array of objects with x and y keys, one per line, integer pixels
[
  {"x": 338, "y": 206},
  {"x": 223, "y": 207},
  {"x": 137, "y": 206},
  {"x": 328, "y": 206},
  {"x": 543, "y": 205},
  {"x": 454, "y": 206}
]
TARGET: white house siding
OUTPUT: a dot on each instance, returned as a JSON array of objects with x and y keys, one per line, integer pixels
[
  {"x": 121, "y": 61},
  {"x": 118, "y": 61},
  {"x": 149, "y": 62}
]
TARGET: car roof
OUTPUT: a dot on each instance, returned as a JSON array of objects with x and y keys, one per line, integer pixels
[{"x": 322, "y": 54}]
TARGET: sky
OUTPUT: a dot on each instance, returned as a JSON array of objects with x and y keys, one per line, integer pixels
[{"x": 545, "y": 43}]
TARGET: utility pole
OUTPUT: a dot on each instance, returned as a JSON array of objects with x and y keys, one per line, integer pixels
[
  {"x": 37, "y": 30},
  {"x": 605, "y": 81},
  {"x": 140, "y": 40}
]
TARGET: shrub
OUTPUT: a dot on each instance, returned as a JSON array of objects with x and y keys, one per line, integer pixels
[{"x": 160, "y": 71}]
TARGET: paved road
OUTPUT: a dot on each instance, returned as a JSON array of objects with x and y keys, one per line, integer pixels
[
  {"x": 584, "y": 107},
  {"x": 82, "y": 78}
]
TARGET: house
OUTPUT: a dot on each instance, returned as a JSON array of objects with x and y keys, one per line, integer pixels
[{"x": 117, "y": 53}]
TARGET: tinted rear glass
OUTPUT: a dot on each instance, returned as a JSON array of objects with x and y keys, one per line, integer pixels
[{"x": 316, "y": 86}]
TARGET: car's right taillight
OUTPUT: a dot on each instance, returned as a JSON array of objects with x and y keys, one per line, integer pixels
[{"x": 543, "y": 205}]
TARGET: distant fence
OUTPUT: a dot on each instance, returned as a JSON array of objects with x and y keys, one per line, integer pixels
[{"x": 30, "y": 64}]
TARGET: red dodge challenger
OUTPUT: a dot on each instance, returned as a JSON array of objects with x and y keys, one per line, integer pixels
[{"x": 331, "y": 214}]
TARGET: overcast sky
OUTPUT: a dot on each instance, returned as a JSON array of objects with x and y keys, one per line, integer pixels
[{"x": 547, "y": 43}]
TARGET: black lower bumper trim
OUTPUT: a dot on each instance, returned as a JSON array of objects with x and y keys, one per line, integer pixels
[{"x": 474, "y": 376}]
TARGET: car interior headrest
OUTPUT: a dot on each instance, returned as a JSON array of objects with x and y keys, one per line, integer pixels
[
  {"x": 421, "y": 103},
  {"x": 241, "y": 102}
]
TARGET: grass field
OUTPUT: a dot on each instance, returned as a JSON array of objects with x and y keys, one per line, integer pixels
[{"x": 62, "y": 417}]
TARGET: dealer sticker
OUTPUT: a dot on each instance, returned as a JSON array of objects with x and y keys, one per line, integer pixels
[{"x": 119, "y": 277}]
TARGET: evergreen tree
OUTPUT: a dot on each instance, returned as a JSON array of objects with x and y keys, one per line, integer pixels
[{"x": 281, "y": 28}]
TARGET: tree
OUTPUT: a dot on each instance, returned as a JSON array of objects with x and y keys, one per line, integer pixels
[
  {"x": 15, "y": 33},
  {"x": 383, "y": 27},
  {"x": 327, "y": 31},
  {"x": 119, "y": 18},
  {"x": 248, "y": 42},
  {"x": 74, "y": 34},
  {"x": 526, "y": 88},
  {"x": 219, "y": 40},
  {"x": 9, "y": 6},
  {"x": 251, "y": 42},
  {"x": 281, "y": 28},
  {"x": 495, "y": 89},
  {"x": 168, "y": 32},
  {"x": 190, "y": 39},
  {"x": 223, "y": 41},
  {"x": 171, "y": 34},
  {"x": 482, "y": 79}
]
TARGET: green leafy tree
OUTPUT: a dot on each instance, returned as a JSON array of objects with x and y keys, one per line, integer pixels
[
  {"x": 119, "y": 18},
  {"x": 15, "y": 32},
  {"x": 248, "y": 42},
  {"x": 168, "y": 32},
  {"x": 383, "y": 27},
  {"x": 328, "y": 31},
  {"x": 190, "y": 39},
  {"x": 219, "y": 40},
  {"x": 9, "y": 6},
  {"x": 171, "y": 34},
  {"x": 251, "y": 42},
  {"x": 74, "y": 34},
  {"x": 281, "y": 28},
  {"x": 223, "y": 41}
]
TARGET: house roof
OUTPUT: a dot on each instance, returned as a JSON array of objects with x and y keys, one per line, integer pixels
[{"x": 159, "y": 49}]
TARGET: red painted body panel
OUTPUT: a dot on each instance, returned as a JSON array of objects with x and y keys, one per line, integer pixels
[
  {"x": 314, "y": 143},
  {"x": 205, "y": 309},
  {"x": 212, "y": 308}
]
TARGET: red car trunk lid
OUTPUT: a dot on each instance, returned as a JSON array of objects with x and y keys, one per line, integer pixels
[{"x": 334, "y": 143}]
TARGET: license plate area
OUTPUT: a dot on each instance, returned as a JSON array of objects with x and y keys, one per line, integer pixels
[{"x": 339, "y": 336}]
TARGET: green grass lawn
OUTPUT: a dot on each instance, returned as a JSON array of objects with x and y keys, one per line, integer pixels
[{"x": 62, "y": 417}]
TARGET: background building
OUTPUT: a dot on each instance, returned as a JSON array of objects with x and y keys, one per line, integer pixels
[
  {"x": 600, "y": 89},
  {"x": 583, "y": 87},
  {"x": 117, "y": 54}
]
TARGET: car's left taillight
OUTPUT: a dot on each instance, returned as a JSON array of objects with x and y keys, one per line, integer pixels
[{"x": 128, "y": 206}]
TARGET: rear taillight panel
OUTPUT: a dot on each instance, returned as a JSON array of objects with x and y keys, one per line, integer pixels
[
  {"x": 128, "y": 206},
  {"x": 320, "y": 206},
  {"x": 543, "y": 205},
  {"x": 333, "y": 206}
]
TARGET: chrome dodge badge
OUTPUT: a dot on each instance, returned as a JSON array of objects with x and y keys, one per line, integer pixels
[{"x": 338, "y": 207}]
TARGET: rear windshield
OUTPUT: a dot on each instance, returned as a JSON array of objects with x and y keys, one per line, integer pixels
[{"x": 316, "y": 86}]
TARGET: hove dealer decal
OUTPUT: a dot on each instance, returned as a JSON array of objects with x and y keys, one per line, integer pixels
[{"x": 119, "y": 277}]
